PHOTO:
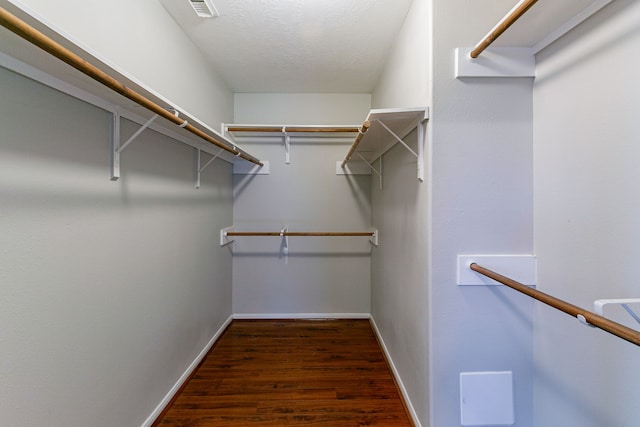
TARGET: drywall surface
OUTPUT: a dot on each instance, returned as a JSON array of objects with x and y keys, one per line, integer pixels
[
  {"x": 399, "y": 288},
  {"x": 405, "y": 79},
  {"x": 142, "y": 41},
  {"x": 320, "y": 274},
  {"x": 399, "y": 292},
  {"x": 109, "y": 289},
  {"x": 481, "y": 178},
  {"x": 587, "y": 232}
]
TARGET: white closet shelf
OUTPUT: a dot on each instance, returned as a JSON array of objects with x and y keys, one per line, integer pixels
[
  {"x": 387, "y": 128},
  {"x": 23, "y": 57},
  {"x": 512, "y": 53}
]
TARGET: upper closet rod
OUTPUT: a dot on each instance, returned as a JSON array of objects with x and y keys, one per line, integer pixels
[
  {"x": 362, "y": 131},
  {"x": 302, "y": 233},
  {"x": 27, "y": 32},
  {"x": 502, "y": 26},
  {"x": 583, "y": 315},
  {"x": 292, "y": 129}
]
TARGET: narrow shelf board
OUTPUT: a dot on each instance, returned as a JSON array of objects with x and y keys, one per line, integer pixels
[
  {"x": 378, "y": 140},
  {"x": 547, "y": 21}
]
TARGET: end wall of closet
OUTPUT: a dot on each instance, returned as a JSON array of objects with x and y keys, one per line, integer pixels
[
  {"x": 587, "y": 210},
  {"x": 319, "y": 275}
]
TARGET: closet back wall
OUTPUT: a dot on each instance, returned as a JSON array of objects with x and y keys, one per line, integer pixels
[
  {"x": 108, "y": 290},
  {"x": 321, "y": 275}
]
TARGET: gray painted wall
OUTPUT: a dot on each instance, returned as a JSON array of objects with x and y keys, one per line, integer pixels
[
  {"x": 481, "y": 203},
  {"x": 326, "y": 275},
  {"x": 587, "y": 231},
  {"x": 400, "y": 210},
  {"x": 109, "y": 289},
  {"x": 134, "y": 38}
]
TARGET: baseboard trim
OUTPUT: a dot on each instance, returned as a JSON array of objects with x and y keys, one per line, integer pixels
[
  {"x": 186, "y": 375},
  {"x": 278, "y": 316},
  {"x": 396, "y": 375}
]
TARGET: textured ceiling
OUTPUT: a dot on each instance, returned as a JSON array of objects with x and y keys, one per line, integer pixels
[{"x": 329, "y": 46}]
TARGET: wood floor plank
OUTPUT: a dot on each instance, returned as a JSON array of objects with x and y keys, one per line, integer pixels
[{"x": 291, "y": 373}]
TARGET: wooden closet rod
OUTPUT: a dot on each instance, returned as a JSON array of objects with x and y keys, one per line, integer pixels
[
  {"x": 361, "y": 132},
  {"x": 515, "y": 14},
  {"x": 593, "y": 319},
  {"x": 302, "y": 233},
  {"x": 27, "y": 32},
  {"x": 306, "y": 129}
]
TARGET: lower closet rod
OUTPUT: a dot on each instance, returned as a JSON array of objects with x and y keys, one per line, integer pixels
[
  {"x": 593, "y": 319},
  {"x": 302, "y": 233},
  {"x": 27, "y": 32}
]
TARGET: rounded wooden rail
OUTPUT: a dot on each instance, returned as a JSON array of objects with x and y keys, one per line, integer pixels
[
  {"x": 27, "y": 32},
  {"x": 614, "y": 328},
  {"x": 293, "y": 129},
  {"x": 354, "y": 146},
  {"x": 302, "y": 233},
  {"x": 502, "y": 26}
]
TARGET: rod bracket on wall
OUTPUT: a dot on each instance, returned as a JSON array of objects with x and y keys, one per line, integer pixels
[
  {"x": 225, "y": 239},
  {"x": 374, "y": 239}
]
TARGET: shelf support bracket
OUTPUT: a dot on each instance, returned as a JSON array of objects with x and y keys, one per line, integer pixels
[
  {"x": 199, "y": 169},
  {"x": 286, "y": 139},
  {"x": 421, "y": 141},
  {"x": 117, "y": 148},
  {"x": 374, "y": 170},
  {"x": 598, "y": 306},
  {"x": 422, "y": 128},
  {"x": 285, "y": 244}
]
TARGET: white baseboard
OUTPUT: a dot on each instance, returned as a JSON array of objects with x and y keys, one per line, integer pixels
[
  {"x": 276, "y": 316},
  {"x": 396, "y": 375},
  {"x": 185, "y": 376}
]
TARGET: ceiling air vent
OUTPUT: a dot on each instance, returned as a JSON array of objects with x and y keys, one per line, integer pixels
[{"x": 204, "y": 8}]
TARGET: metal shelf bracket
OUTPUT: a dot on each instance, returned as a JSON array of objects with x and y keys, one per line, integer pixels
[
  {"x": 117, "y": 148},
  {"x": 199, "y": 169},
  {"x": 286, "y": 139},
  {"x": 598, "y": 306},
  {"x": 374, "y": 170}
]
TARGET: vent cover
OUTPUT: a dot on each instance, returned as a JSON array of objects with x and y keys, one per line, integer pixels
[{"x": 204, "y": 8}]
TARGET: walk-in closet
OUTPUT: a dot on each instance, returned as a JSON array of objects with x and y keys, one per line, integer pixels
[{"x": 376, "y": 212}]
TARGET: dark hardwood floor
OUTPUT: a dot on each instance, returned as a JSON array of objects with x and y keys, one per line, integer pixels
[{"x": 291, "y": 373}]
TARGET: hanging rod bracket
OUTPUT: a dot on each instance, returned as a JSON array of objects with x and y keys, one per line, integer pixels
[
  {"x": 224, "y": 238},
  {"x": 374, "y": 239}
]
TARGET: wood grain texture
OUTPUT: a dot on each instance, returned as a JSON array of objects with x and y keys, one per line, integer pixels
[{"x": 291, "y": 373}]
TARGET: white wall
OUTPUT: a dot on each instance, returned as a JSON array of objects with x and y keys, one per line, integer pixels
[
  {"x": 142, "y": 41},
  {"x": 399, "y": 289},
  {"x": 405, "y": 79},
  {"x": 481, "y": 179},
  {"x": 320, "y": 275},
  {"x": 109, "y": 289},
  {"x": 587, "y": 232}
]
